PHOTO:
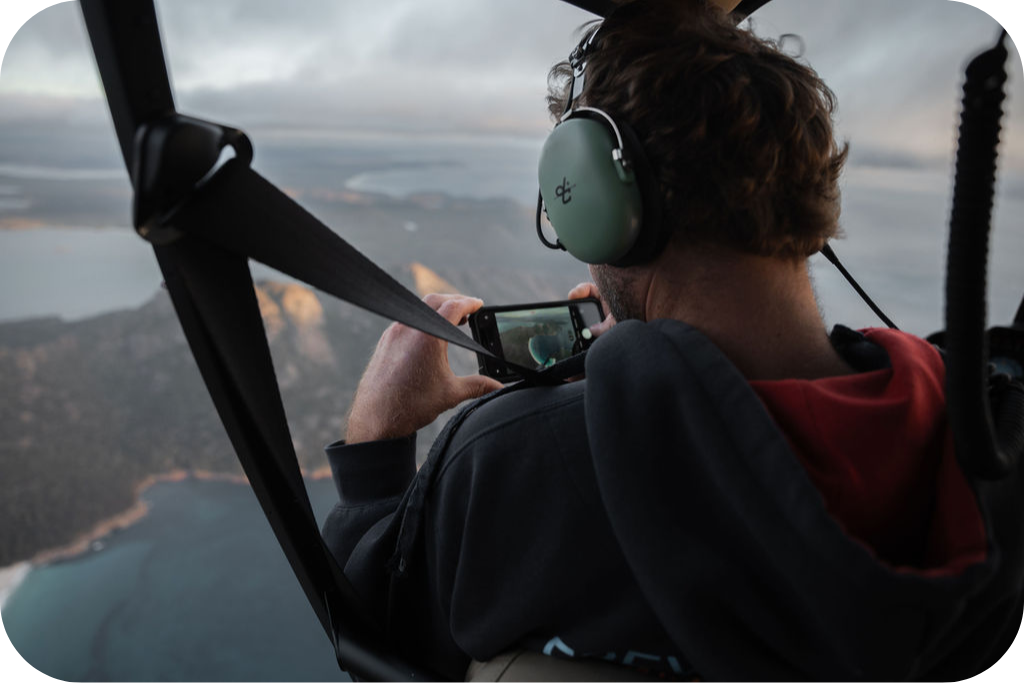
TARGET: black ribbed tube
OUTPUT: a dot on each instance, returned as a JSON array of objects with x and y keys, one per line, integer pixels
[
  {"x": 978, "y": 448},
  {"x": 1009, "y": 419}
]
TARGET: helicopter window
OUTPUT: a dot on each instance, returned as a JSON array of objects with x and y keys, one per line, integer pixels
[{"x": 412, "y": 129}]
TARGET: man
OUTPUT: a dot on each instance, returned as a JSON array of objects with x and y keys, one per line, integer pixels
[{"x": 731, "y": 492}]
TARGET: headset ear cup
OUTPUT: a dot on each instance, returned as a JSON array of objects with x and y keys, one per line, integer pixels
[
  {"x": 592, "y": 200},
  {"x": 653, "y": 231},
  {"x": 603, "y": 211}
]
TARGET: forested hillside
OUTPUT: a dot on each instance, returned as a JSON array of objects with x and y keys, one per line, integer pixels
[{"x": 91, "y": 408}]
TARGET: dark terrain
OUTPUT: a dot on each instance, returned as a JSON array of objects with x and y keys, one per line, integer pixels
[{"x": 91, "y": 408}]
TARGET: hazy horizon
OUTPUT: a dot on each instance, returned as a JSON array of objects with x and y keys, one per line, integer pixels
[{"x": 441, "y": 85}]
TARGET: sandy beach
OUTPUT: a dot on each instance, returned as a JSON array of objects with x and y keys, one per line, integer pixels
[{"x": 10, "y": 578}]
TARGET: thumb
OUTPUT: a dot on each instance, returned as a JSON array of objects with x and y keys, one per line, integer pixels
[
  {"x": 475, "y": 386},
  {"x": 603, "y": 326}
]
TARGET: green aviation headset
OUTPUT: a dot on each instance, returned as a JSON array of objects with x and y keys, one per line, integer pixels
[
  {"x": 599, "y": 192},
  {"x": 596, "y": 185}
]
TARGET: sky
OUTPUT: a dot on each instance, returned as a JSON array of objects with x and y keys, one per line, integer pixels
[
  {"x": 471, "y": 67},
  {"x": 476, "y": 69}
]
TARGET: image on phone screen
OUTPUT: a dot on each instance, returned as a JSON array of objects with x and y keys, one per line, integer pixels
[
  {"x": 541, "y": 337},
  {"x": 536, "y": 336}
]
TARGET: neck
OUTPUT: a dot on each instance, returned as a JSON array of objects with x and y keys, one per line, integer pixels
[{"x": 761, "y": 312}]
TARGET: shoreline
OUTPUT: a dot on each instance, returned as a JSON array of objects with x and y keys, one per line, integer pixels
[{"x": 11, "y": 576}]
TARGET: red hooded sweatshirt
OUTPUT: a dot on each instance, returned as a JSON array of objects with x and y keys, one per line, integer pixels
[{"x": 877, "y": 445}]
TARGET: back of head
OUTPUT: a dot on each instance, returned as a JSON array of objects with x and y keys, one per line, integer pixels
[{"x": 737, "y": 133}]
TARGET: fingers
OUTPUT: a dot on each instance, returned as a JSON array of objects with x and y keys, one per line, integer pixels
[
  {"x": 475, "y": 386},
  {"x": 453, "y": 307},
  {"x": 435, "y": 300},
  {"x": 585, "y": 290},
  {"x": 603, "y": 326},
  {"x": 588, "y": 290}
]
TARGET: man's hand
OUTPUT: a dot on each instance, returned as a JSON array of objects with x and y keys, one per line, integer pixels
[
  {"x": 408, "y": 381},
  {"x": 588, "y": 290}
]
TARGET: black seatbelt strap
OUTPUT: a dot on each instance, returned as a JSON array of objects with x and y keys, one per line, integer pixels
[
  {"x": 241, "y": 211},
  {"x": 213, "y": 294},
  {"x": 204, "y": 225},
  {"x": 212, "y": 291},
  {"x": 126, "y": 41}
]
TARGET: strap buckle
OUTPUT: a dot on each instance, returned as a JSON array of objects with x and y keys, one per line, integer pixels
[{"x": 174, "y": 156}]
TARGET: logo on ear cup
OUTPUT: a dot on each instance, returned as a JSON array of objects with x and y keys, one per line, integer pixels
[{"x": 564, "y": 191}]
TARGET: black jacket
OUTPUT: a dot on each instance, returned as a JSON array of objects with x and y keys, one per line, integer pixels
[{"x": 564, "y": 519}]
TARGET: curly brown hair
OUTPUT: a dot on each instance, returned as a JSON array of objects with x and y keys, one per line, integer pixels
[{"x": 738, "y": 134}]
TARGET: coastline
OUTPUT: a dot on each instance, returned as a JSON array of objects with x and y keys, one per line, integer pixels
[{"x": 11, "y": 576}]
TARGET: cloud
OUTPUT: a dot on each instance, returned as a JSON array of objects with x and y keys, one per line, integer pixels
[
  {"x": 887, "y": 157},
  {"x": 465, "y": 65},
  {"x": 50, "y": 55},
  {"x": 897, "y": 70},
  {"x": 51, "y": 30},
  {"x": 414, "y": 101},
  {"x": 400, "y": 64}
]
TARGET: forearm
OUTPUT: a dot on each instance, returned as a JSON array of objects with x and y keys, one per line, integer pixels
[{"x": 371, "y": 478}]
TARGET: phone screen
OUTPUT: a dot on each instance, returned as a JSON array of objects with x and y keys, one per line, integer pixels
[
  {"x": 535, "y": 336},
  {"x": 541, "y": 337}
]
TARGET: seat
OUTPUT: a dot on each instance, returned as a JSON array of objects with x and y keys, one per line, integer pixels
[{"x": 523, "y": 665}]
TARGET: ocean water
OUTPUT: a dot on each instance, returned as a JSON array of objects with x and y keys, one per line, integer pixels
[
  {"x": 479, "y": 169},
  {"x": 76, "y": 273},
  {"x": 198, "y": 590},
  {"x": 894, "y": 220},
  {"x": 79, "y": 257}
]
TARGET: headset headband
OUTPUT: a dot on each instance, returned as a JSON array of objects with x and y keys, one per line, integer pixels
[
  {"x": 611, "y": 122},
  {"x": 578, "y": 63}
]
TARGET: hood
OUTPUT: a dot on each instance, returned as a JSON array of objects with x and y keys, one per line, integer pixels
[
  {"x": 878, "y": 447},
  {"x": 744, "y": 559}
]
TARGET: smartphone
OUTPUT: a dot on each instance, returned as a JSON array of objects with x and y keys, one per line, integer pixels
[{"x": 533, "y": 335}]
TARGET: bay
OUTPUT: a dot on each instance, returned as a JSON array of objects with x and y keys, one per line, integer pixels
[
  {"x": 197, "y": 590},
  {"x": 397, "y": 199},
  {"x": 75, "y": 273}
]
